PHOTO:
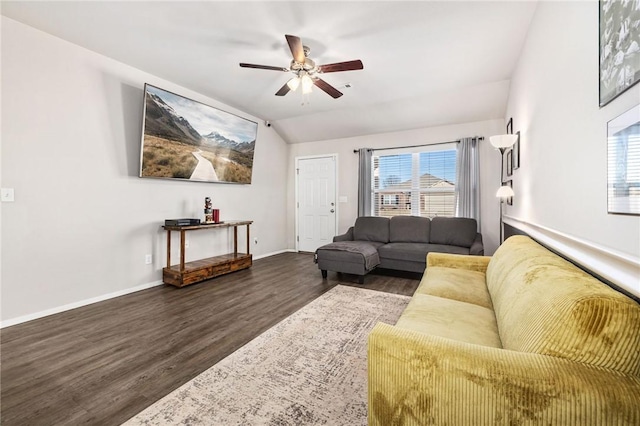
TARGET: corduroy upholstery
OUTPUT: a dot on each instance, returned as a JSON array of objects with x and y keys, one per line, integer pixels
[
  {"x": 581, "y": 319},
  {"x": 568, "y": 352},
  {"x": 456, "y": 284}
]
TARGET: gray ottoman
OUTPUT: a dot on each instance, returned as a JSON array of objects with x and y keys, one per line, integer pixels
[{"x": 349, "y": 257}]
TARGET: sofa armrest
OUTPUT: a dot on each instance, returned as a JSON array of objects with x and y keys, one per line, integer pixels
[
  {"x": 458, "y": 261},
  {"x": 347, "y": 236},
  {"x": 418, "y": 379},
  {"x": 477, "y": 248}
]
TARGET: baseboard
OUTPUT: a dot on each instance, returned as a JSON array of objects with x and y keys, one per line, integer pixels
[
  {"x": 57, "y": 310},
  {"x": 68, "y": 307},
  {"x": 620, "y": 269},
  {"x": 262, "y": 256}
]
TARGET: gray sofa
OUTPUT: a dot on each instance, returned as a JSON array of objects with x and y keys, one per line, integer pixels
[{"x": 399, "y": 243}]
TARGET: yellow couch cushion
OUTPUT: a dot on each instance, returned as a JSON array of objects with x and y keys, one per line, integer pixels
[
  {"x": 452, "y": 319},
  {"x": 544, "y": 304},
  {"x": 457, "y": 284}
]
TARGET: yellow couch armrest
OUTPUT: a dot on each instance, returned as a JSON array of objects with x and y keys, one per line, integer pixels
[
  {"x": 459, "y": 261},
  {"x": 419, "y": 379}
]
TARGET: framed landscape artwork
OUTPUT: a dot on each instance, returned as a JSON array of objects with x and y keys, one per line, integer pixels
[
  {"x": 188, "y": 140},
  {"x": 619, "y": 47},
  {"x": 623, "y": 163}
]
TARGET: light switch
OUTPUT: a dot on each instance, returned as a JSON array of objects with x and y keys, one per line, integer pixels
[
  {"x": 342, "y": 199},
  {"x": 6, "y": 195}
]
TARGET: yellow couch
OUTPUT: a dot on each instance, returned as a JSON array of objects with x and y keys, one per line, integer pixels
[{"x": 520, "y": 338}]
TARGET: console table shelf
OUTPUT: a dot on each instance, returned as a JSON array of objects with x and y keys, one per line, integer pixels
[{"x": 186, "y": 273}]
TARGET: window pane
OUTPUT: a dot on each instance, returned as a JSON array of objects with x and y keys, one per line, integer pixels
[
  {"x": 434, "y": 204},
  {"x": 439, "y": 164},
  {"x": 394, "y": 172},
  {"x": 437, "y": 183}
]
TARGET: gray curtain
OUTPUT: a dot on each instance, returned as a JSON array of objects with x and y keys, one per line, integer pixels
[
  {"x": 364, "y": 182},
  {"x": 468, "y": 179}
]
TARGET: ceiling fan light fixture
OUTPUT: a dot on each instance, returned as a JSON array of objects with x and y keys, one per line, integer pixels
[
  {"x": 307, "y": 84},
  {"x": 293, "y": 83}
]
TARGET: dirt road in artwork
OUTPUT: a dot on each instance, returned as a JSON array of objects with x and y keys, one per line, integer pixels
[{"x": 204, "y": 170}]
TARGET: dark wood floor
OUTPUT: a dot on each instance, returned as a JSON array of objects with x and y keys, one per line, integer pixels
[{"x": 103, "y": 363}]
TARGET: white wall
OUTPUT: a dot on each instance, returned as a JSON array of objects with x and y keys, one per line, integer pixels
[
  {"x": 82, "y": 220},
  {"x": 561, "y": 186},
  {"x": 348, "y": 170}
]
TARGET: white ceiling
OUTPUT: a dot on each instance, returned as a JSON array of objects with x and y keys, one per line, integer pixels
[{"x": 425, "y": 63}]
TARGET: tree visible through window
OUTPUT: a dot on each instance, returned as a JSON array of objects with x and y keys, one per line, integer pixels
[{"x": 418, "y": 183}]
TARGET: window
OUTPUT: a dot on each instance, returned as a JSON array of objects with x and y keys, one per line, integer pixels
[
  {"x": 420, "y": 182},
  {"x": 390, "y": 200},
  {"x": 624, "y": 170}
]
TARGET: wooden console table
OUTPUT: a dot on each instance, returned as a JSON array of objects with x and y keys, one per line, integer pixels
[{"x": 186, "y": 273}]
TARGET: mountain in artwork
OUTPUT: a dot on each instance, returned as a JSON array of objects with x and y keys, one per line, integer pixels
[
  {"x": 216, "y": 139},
  {"x": 162, "y": 121}
]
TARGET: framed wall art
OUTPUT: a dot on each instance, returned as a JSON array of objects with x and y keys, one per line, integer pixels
[
  {"x": 190, "y": 141},
  {"x": 507, "y": 164},
  {"x": 516, "y": 152},
  {"x": 623, "y": 163},
  {"x": 619, "y": 29}
]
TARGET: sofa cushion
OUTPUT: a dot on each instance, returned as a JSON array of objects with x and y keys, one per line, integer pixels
[
  {"x": 455, "y": 231},
  {"x": 369, "y": 228},
  {"x": 414, "y": 252},
  {"x": 402, "y": 265},
  {"x": 363, "y": 252},
  {"x": 409, "y": 229},
  {"x": 457, "y": 284},
  {"x": 451, "y": 319},
  {"x": 546, "y": 305}
]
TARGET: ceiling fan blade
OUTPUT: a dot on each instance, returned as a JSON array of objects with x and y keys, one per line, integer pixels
[
  {"x": 295, "y": 44},
  {"x": 329, "y": 89},
  {"x": 283, "y": 90},
  {"x": 341, "y": 66},
  {"x": 263, "y": 67}
]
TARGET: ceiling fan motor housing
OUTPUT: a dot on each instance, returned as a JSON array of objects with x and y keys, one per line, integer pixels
[{"x": 307, "y": 65}]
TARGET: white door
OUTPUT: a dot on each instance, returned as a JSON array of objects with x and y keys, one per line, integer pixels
[{"x": 316, "y": 205}]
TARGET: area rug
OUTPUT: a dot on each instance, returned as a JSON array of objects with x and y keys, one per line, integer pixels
[{"x": 309, "y": 369}]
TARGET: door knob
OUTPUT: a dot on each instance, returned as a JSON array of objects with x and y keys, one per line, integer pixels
[{"x": 332, "y": 210}]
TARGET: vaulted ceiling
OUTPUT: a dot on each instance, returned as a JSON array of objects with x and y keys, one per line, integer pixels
[{"x": 425, "y": 63}]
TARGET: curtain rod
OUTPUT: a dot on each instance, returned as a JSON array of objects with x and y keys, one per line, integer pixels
[{"x": 355, "y": 151}]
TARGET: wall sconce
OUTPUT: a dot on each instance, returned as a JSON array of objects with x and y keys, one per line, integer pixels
[{"x": 502, "y": 143}]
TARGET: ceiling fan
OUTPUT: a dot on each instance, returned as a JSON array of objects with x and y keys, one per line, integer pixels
[{"x": 306, "y": 71}]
